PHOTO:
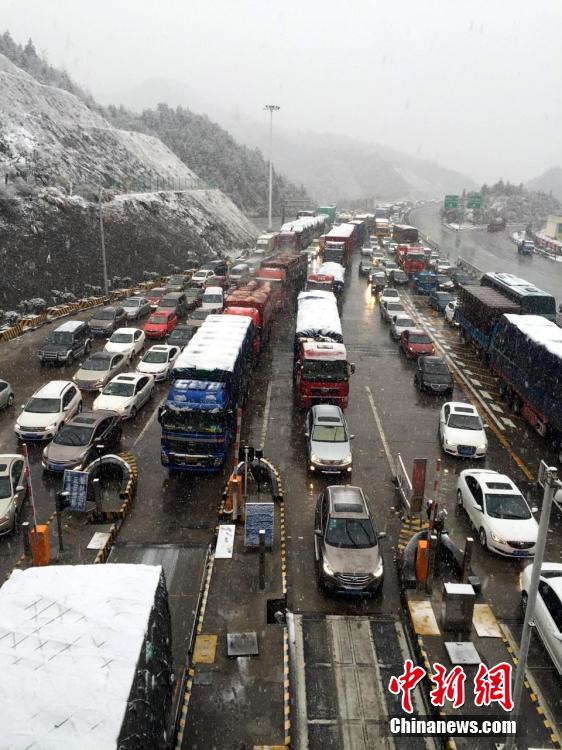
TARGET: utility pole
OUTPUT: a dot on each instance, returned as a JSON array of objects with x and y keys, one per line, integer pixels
[
  {"x": 102, "y": 238},
  {"x": 272, "y": 108},
  {"x": 551, "y": 484}
]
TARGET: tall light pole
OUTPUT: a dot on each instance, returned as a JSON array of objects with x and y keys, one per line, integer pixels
[
  {"x": 272, "y": 108},
  {"x": 102, "y": 241}
]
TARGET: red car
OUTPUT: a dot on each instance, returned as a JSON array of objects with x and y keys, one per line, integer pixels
[
  {"x": 155, "y": 295},
  {"x": 414, "y": 342},
  {"x": 160, "y": 324}
]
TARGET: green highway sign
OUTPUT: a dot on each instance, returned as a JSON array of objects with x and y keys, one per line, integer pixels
[
  {"x": 451, "y": 201},
  {"x": 473, "y": 200}
]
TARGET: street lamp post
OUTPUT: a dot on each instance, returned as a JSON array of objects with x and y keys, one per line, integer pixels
[
  {"x": 102, "y": 242},
  {"x": 272, "y": 108}
]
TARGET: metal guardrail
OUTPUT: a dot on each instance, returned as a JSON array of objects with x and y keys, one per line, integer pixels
[{"x": 403, "y": 483}]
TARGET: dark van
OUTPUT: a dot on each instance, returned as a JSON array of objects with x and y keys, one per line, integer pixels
[{"x": 67, "y": 342}]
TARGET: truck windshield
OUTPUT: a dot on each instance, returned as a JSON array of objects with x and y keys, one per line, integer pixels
[
  {"x": 318, "y": 369},
  {"x": 186, "y": 420}
]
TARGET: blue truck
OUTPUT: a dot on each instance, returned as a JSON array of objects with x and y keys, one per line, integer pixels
[
  {"x": 526, "y": 354},
  {"x": 477, "y": 314},
  {"x": 425, "y": 282},
  {"x": 209, "y": 381}
]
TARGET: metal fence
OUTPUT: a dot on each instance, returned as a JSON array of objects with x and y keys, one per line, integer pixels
[{"x": 403, "y": 483}]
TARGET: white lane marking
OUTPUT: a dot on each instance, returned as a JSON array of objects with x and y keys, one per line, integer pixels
[
  {"x": 508, "y": 422},
  {"x": 487, "y": 395},
  {"x": 496, "y": 408},
  {"x": 475, "y": 382},
  {"x": 266, "y": 415},
  {"x": 381, "y": 431},
  {"x": 150, "y": 421}
]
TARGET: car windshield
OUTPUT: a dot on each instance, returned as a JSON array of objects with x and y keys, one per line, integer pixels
[
  {"x": 437, "y": 374},
  {"x": 96, "y": 363},
  {"x": 5, "y": 488},
  {"x": 200, "y": 314},
  {"x": 329, "y": 433},
  {"x": 180, "y": 335},
  {"x": 105, "y": 315},
  {"x": 43, "y": 405},
  {"x": 176, "y": 280},
  {"x": 168, "y": 303},
  {"x": 213, "y": 299},
  {"x": 60, "y": 338},
  {"x": 119, "y": 388},
  {"x": 157, "y": 293},
  {"x": 394, "y": 306},
  {"x": 507, "y": 506},
  {"x": 350, "y": 533},
  {"x": 74, "y": 435},
  {"x": 131, "y": 302},
  {"x": 404, "y": 323},
  {"x": 400, "y": 275},
  {"x": 155, "y": 357},
  {"x": 465, "y": 422},
  {"x": 158, "y": 319},
  {"x": 192, "y": 292},
  {"x": 443, "y": 279},
  {"x": 121, "y": 338},
  {"x": 419, "y": 338},
  {"x": 391, "y": 294},
  {"x": 333, "y": 370}
]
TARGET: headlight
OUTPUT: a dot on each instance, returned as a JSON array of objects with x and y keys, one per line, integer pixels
[
  {"x": 497, "y": 539},
  {"x": 5, "y": 518},
  {"x": 347, "y": 460},
  {"x": 449, "y": 444},
  {"x": 314, "y": 458},
  {"x": 482, "y": 447},
  {"x": 51, "y": 426},
  {"x": 378, "y": 571},
  {"x": 17, "y": 426},
  {"x": 327, "y": 568}
]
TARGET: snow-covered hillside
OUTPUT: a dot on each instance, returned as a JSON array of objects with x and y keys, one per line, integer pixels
[
  {"x": 57, "y": 135},
  {"x": 52, "y": 146}
]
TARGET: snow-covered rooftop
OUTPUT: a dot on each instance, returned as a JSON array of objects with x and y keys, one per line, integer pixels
[
  {"x": 333, "y": 269},
  {"x": 70, "y": 640},
  {"x": 540, "y": 331},
  {"x": 216, "y": 345},
  {"x": 318, "y": 315}
]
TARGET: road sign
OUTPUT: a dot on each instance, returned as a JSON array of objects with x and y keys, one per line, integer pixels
[
  {"x": 451, "y": 201},
  {"x": 258, "y": 516},
  {"x": 76, "y": 484},
  {"x": 473, "y": 200}
]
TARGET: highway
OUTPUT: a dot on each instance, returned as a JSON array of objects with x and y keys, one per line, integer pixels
[
  {"x": 387, "y": 414},
  {"x": 489, "y": 251}
]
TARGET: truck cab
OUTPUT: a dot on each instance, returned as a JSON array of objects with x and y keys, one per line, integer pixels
[{"x": 322, "y": 374}]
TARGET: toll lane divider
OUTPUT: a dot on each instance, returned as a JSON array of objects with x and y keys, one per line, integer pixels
[{"x": 31, "y": 322}]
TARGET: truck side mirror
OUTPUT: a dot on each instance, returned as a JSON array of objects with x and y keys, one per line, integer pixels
[{"x": 352, "y": 368}]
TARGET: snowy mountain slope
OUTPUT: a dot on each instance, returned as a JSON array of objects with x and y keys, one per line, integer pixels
[{"x": 57, "y": 135}]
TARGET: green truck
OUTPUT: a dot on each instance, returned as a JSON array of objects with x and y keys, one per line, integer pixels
[{"x": 329, "y": 211}]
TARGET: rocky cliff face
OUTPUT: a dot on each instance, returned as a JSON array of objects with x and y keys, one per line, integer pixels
[{"x": 50, "y": 241}]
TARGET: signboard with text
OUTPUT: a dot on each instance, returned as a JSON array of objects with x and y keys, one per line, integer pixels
[
  {"x": 451, "y": 201},
  {"x": 76, "y": 484}
]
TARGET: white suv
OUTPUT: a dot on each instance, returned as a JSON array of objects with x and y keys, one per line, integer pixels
[{"x": 47, "y": 410}]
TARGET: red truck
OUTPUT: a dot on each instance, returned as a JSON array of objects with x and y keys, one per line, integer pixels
[
  {"x": 338, "y": 244},
  {"x": 414, "y": 260},
  {"x": 257, "y": 302},
  {"x": 321, "y": 370},
  {"x": 320, "y": 281},
  {"x": 286, "y": 274}
]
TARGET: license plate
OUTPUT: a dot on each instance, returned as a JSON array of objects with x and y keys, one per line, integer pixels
[
  {"x": 56, "y": 467},
  {"x": 30, "y": 435},
  {"x": 520, "y": 553}
]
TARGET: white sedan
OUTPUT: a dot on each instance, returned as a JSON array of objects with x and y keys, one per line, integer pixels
[
  {"x": 548, "y": 609},
  {"x": 159, "y": 360},
  {"x": 450, "y": 312},
  {"x": 400, "y": 323},
  {"x": 389, "y": 295},
  {"x": 127, "y": 341},
  {"x": 126, "y": 394},
  {"x": 461, "y": 431},
  {"x": 499, "y": 512}
]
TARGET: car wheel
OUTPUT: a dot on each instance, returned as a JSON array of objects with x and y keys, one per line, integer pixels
[
  {"x": 88, "y": 347},
  {"x": 151, "y": 394},
  {"x": 482, "y": 538},
  {"x": 10, "y": 401},
  {"x": 79, "y": 408},
  {"x": 459, "y": 499},
  {"x": 524, "y": 602},
  {"x": 133, "y": 412},
  {"x": 70, "y": 359}
]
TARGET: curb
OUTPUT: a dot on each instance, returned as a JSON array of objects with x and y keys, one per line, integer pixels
[{"x": 286, "y": 689}]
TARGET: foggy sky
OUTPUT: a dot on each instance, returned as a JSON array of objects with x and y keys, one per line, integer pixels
[{"x": 474, "y": 84}]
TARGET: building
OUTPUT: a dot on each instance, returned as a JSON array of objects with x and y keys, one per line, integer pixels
[{"x": 554, "y": 227}]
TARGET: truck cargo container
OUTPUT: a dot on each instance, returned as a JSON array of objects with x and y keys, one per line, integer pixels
[
  {"x": 329, "y": 211},
  {"x": 405, "y": 233},
  {"x": 526, "y": 354},
  {"x": 258, "y": 302},
  {"x": 321, "y": 370},
  {"x": 339, "y": 244},
  {"x": 382, "y": 228},
  {"x": 337, "y": 271},
  {"x": 319, "y": 281},
  {"x": 210, "y": 380},
  {"x": 86, "y": 658},
  {"x": 478, "y": 312},
  {"x": 267, "y": 243},
  {"x": 286, "y": 274}
]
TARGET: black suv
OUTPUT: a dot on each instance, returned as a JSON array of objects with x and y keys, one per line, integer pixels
[
  {"x": 218, "y": 266},
  {"x": 67, "y": 342},
  {"x": 433, "y": 375}
]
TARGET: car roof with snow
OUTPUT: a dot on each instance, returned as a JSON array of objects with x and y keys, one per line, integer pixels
[
  {"x": 459, "y": 407},
  {"x": 53, "y": 389}
]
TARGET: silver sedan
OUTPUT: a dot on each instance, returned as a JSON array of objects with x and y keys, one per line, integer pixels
[{"x": 6, "y": 395}]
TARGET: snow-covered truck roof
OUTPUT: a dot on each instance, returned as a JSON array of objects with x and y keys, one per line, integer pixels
[
  {"x": 333, "y": 269},
  {"x": 71, "y": 637},
  {"x": 539, "y": 331},
  {"x": 318, "y": 317}
]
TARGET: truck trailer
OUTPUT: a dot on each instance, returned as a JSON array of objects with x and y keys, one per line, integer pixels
[
  {"x": 338, "y": 244},
  {"x": 478, "y": 312},
  {"x": 86, "y": 658}
]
